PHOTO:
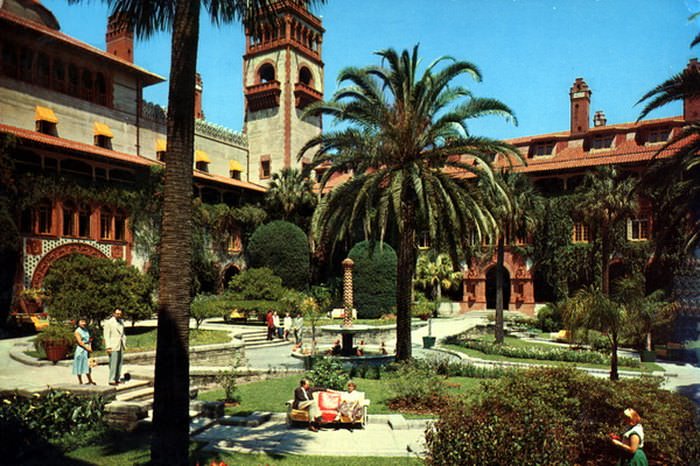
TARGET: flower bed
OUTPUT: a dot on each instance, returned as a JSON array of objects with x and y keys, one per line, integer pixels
[{"x": 567, "y": 355}]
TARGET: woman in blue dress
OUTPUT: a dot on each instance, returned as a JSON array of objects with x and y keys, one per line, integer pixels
[{"x": 82, "y": 350}]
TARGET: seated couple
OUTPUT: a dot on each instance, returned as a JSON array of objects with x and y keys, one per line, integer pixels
[{"x": 350, "y": 406}]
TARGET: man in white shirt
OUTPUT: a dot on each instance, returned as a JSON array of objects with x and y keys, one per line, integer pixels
[{"x": 115, "y": 343}]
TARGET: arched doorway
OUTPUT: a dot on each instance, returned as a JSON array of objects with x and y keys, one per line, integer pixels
[
  {"x": 230, "y": 272},
  {"x": 491, "y": 288}
]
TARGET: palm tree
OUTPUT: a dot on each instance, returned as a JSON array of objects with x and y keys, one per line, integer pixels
[
  {"x": 170, "y": 440},
  {"x": 678, "y": 189},
  {"x": 290, "y": 194},
  {"x": 590, "y": 308},
  {"x": 436, "y": 274},
  {"x": 401, "y": 131},
  {"x": 517, "y": 218},
  {"x": 606, "y": 200}
]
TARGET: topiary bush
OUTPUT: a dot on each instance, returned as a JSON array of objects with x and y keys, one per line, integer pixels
[
  {"x": 374, "y": 279},
  {"x": 93, "y": 287},
  {"x": 562, "y": 416},
  {"x": 284, "y": 248},
  {"x": 329, "y": 373},
  {"x": 257, "y": 284}
]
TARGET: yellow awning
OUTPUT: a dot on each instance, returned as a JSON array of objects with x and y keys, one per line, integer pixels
[
  {"x": 201, "y": 156},
  {"x": 102, "y": 130},
  {"x": 45, "y": 114},
  {"x": 161, "y": 145},
  {"x": 235, "y": 165}
]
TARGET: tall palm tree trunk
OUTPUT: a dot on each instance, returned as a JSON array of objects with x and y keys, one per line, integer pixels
[
  {"x": 500, "y": 332},
  {"x": 405, "y": 269},
  {"x": 170, "y": 441}
]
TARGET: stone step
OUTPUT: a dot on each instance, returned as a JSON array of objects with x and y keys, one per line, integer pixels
[
  {"x": 139, "y": 394},
  {"x": 133, "y": 384}
]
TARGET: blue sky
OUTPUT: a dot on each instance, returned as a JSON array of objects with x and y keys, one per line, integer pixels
[{"x": 529, "y": 51}]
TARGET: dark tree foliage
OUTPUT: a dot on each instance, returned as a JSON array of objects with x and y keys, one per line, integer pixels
[
  {"x": 284, "y": 248},
  {"x": 562, "y": 416},
  {"x": 82, "y": 286},
  {"x": 374, "y": 279}
]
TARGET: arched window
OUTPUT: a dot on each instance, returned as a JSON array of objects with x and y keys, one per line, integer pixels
[
  {"x": 305, "y": 76},
  {"x": 106, "y": 220},
  {"x": 69, "y": 218},
  {"x": 84, "y": 214},
  {"x": 59, "y": 76},
  {"x": 266, "y": 73},
  {"x": 120, "y": 226},
  {"x": 43, "y": 70},
  {"x": 44, "y": 217}
]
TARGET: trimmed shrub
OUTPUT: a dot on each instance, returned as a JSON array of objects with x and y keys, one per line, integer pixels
[
  {"x": 549, "y": 318},
  {"x": 93, "y": 287},
  {"x": 284, "y": 248},
  {"x": 374, "y": 279},
  {"x": 329, "y": 373},
  {"x": 562, "y": 416},
  {"x": 416, "y": 384},
  {"x": 54, "y": 419},
  {"x": 208, "y": 306},
  {"x": 257, "y": 284}
]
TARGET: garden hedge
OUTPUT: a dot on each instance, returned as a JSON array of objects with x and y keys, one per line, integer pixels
[
  {"x": 562, "y": 416},
  {"x": 374, "y": 279},
  {"x": 284, "y": 248}
]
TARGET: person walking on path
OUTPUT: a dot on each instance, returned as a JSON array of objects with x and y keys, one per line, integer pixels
[
  {"x": 115, "y": 343},
  {"x": 82, "y": 350},
  {"x": 270, "y": 325},
  {"x": 287, "y": 323},
  {"x": 298, "y": 327}
]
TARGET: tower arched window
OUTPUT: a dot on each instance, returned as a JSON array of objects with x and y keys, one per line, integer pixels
[
  {"x": 305, "y": 76},
  {"x": 106, "y": 220},
  {"x": 44, "y": 217},
  {"x": 69, "y": 218},
  {"x": 266, "y": 73}
]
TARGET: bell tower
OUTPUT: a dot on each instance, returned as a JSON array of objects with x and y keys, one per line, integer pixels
[{"x": 282, "y": 74}]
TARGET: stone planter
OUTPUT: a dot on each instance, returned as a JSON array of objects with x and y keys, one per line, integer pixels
[
  {"x": 428, "y": 342},
  {"x": 55, "y": 350}
]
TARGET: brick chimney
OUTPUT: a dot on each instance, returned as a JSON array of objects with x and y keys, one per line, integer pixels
[
  {"x": 198, "y": 88},
  {"x": 691, "y": 103},
  {"x": 120, "y": 37},
  {"x": 580, "y": 96}
]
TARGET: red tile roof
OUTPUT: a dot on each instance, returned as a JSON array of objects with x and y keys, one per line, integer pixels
[
  {"x": 54, "y": 142},
  {"x": 148, "y": 77}
]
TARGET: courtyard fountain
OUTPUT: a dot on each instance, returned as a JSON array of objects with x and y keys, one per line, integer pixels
[{"x": 372, "y": 354}]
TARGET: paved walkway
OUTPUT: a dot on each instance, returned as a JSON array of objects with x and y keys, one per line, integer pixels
[{"x": 380, "y": 438}]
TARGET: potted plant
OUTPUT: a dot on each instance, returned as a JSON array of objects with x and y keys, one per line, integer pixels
[
  {"x": 56, "y": 340},
  {"x": 31, "y": 299}
]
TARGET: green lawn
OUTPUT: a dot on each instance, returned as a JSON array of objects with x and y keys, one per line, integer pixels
[
  {"x": 646, "y": 366},
  {"x": 134, "y": 449},
  {"x": 271, "y": 394},
  {"x": 144, "y": 339}
]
